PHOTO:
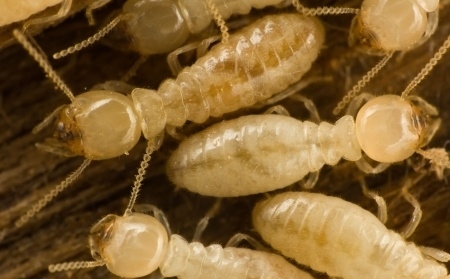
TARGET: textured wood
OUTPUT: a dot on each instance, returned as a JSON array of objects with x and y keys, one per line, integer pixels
[{"x": 59, "y": 233}]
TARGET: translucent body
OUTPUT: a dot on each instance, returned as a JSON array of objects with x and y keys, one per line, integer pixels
[
  {"x": 340, "y": 238},
  {"x": 135, "y": 245},
  {"x": 229, "y": 77},
  {"x": 14, "y": 10},
  {"x": 260, "y": 153},
  {"x": 392, "y": 25},
  {"x": 160, "y": 26}
]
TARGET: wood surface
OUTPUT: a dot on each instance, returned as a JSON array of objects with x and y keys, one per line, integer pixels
[{"x": 59, "y": 233}]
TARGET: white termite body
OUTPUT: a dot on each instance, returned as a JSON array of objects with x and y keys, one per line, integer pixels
[
  {"x": 161, "y": 26},
  {"x": 259, "y": 61},
  {"x": 340, "y": 238},
  {"x": 137, "y": 244},
  {"x": 260, "y": 153},
  {"x": 14, "y": 10}
]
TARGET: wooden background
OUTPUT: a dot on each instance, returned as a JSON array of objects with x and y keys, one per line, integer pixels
[{"x": 59, "y": 233}]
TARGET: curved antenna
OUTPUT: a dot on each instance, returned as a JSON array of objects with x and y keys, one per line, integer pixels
[
  {"x": 361, "y": 83},
  {"x": 45, "y": 65},
  {"x": 428, "y": 67},
  {"x": 73, "y": 265},
  {"x": 62, "y": 12},
  {"x": 323, "y": 10},
  {"x": 51, "y": 195},
  {"x": 219, "y": 20},
  {"x": 152, "y": 145},
  {"x": 89, "y": 41}
]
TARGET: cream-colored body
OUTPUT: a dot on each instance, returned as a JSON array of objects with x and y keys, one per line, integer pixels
[
  {"x": 192, "y": 260},
  {"x": 340, "y": 238},
  {"x": 17, "y": 10},
  {"x": 259, "y": 61},
  {"x": 259, "y": 153}
]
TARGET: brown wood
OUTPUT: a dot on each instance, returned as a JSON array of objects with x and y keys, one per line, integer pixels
[{"x": 59, "y": 233}]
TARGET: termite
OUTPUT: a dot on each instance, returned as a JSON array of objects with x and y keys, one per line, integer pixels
[
  {"x": 260, "y": 153},
  {"x": 136, "y": 245},
  {"x": 162, "y": 26},
  {"x": 103, "y": 124},
  {"x": 342, "y": 239},
  {"x": 381, "y": 28}
]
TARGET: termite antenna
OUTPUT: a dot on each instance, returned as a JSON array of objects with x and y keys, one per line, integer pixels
[
  {"x": 428, "y": 67},
  {"x": 45, "y": 65},
  {"x": 51, "y": 195},
  {"x": 219, "y": 20},
  {"x": 62, "y": 12},
  {"x": 361, "y": 83},
  {"x": 94, "y": 6},
  {"x": 323, "y": 10},
  {"x": 89, "y": 41},
  {"x": 152, "y": 145},
  {"x": 73, "y": 265}
]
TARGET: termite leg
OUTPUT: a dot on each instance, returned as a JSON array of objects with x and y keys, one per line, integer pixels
[
  {"x": 172, "y": 58},
  {"x": 134, "y": 68},
  {"x": 436, "y": 254},
  {"x": 277, "y": 110},
  {"x": 417, "y": 213},
  {"x": 357, "y": 103},
  {"x": 205, "y": 44},
  {"x": 175, "y": 133},
  {"x": 364, "y": 165},
  {"x": 115, "y": 86},
  {"x": 94, "y": 6},
  {"x": 203, "y": 223},
  {"x": 239, "y": 237},
  {"x": 151, "y": 209},
  {"x": 311, "y": 181},
  {"x": 381, "y": 203}
]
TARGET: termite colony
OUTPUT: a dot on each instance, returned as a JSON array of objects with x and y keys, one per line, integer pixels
[{"x": 58, "y": 233}]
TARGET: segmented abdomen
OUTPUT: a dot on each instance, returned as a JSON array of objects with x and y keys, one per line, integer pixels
[
  {"x": 258, "y": 153},
  {"x": 259, "y": 61},
  {"x": 340, "y": 238},
  {"x": 193, "y": 260}
]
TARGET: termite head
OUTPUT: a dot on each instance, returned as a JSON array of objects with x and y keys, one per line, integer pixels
[
  {"x": 385, "y": 26},
  {"x": 98, "y": 125},
  {"x": 390, "y": 128},
  {"x": 130, "y": 246},
  {"x": 155, "y": 26}
]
